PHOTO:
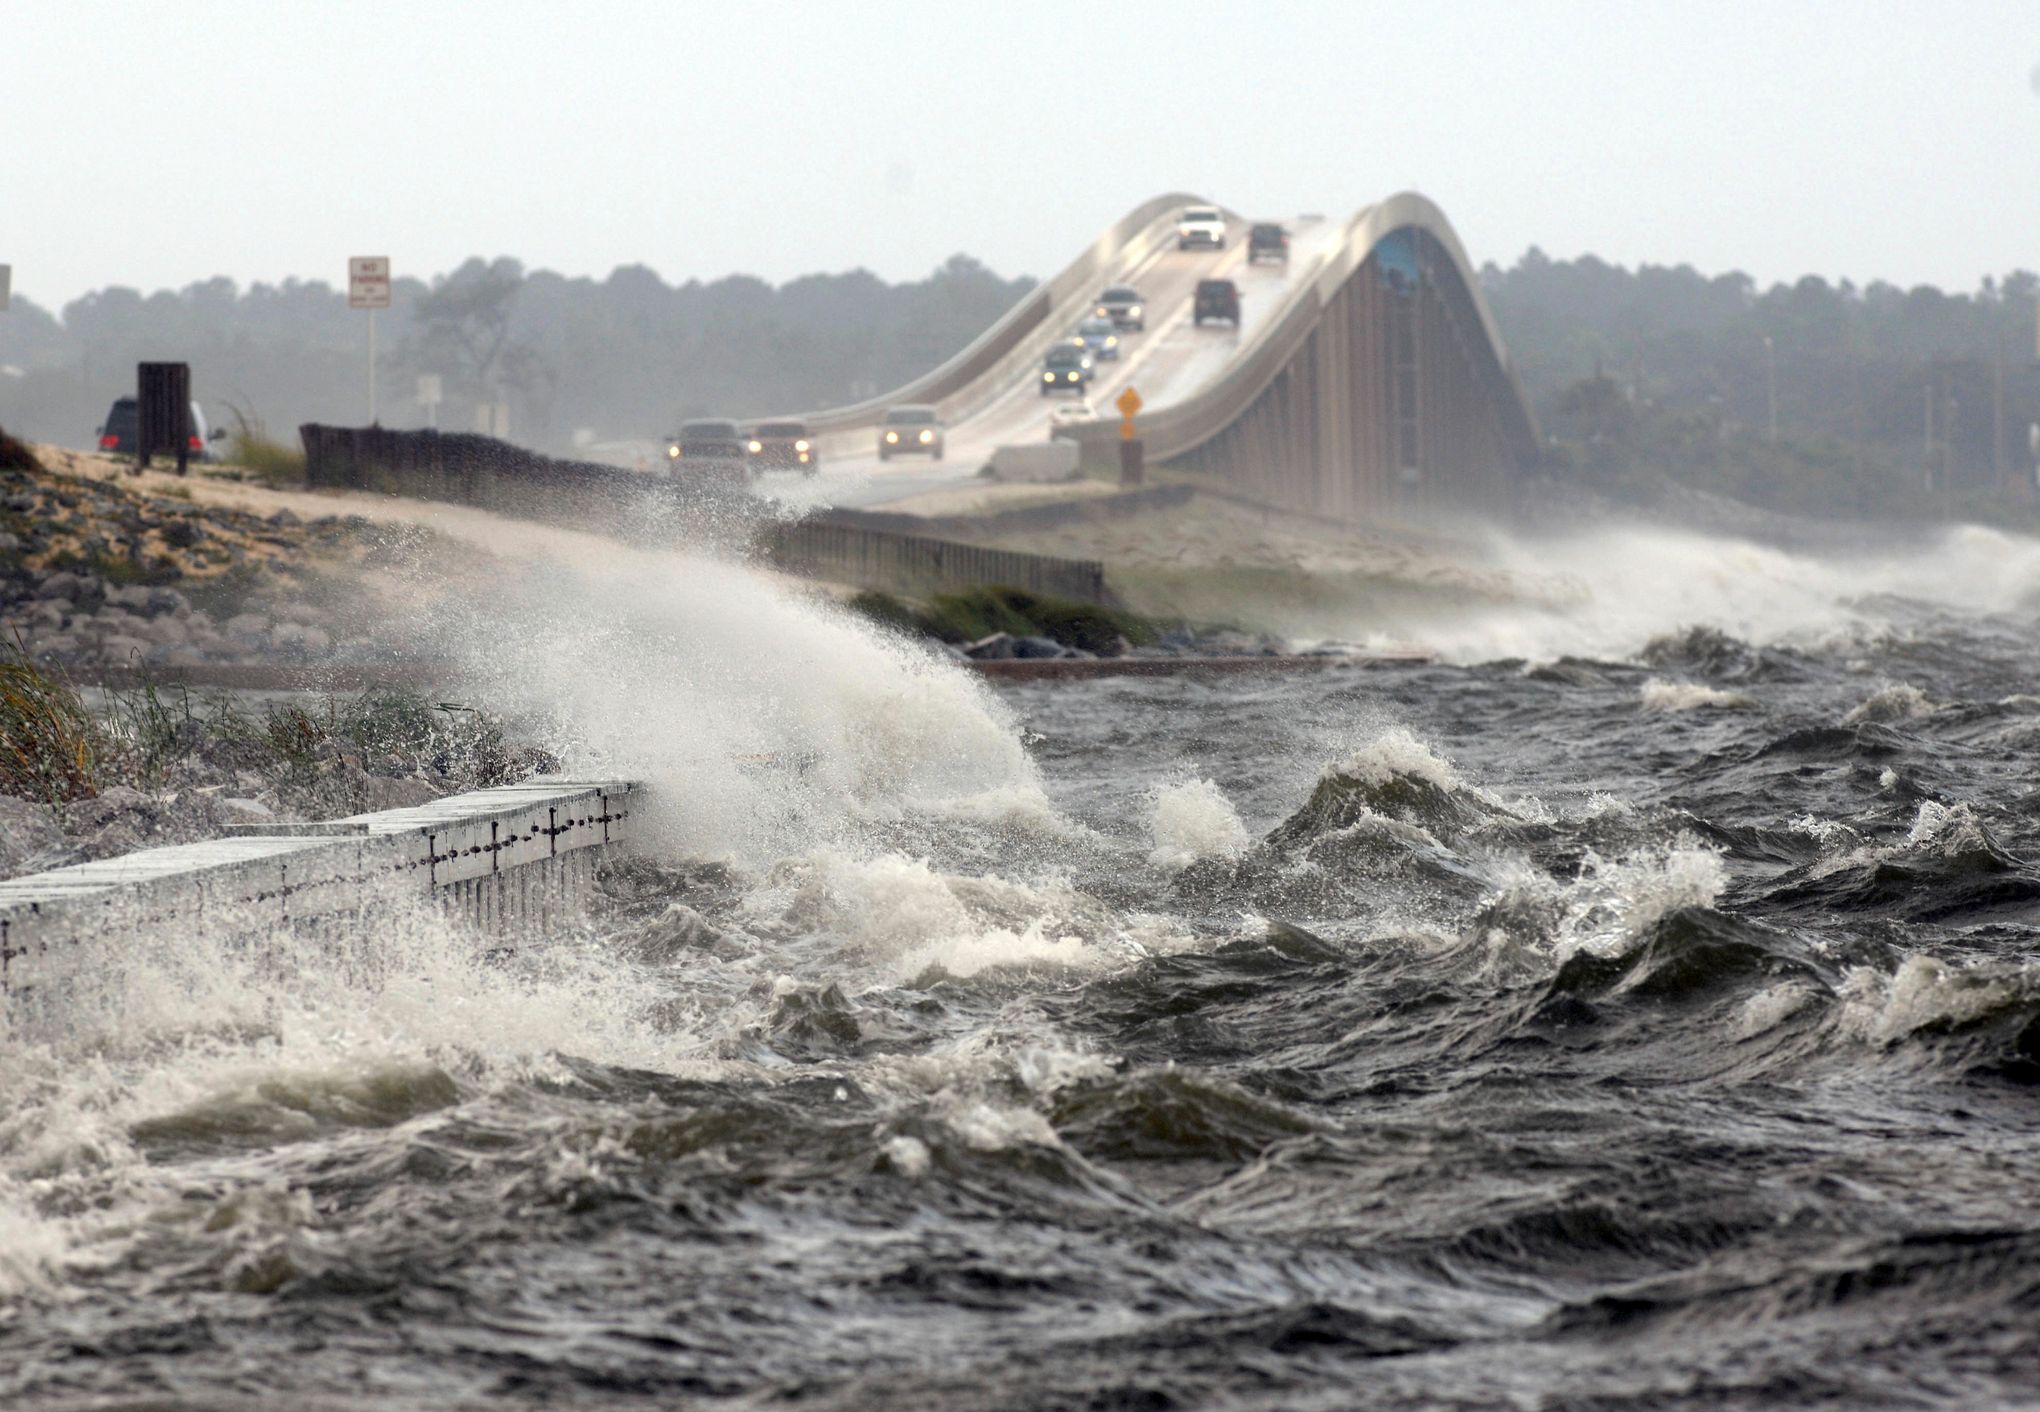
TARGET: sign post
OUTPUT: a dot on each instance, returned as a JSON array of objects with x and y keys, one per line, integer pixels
[
  {"x": 6, "y": 281},
  {"x": 368, "y": 287},
  {"x": 1132, "y": 465}
]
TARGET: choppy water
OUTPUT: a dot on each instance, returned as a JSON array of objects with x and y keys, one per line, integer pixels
[{"x": 1652, "y": 1025}]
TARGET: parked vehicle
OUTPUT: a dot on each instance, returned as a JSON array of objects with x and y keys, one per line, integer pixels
[
  {"x": 783, "y": 446},
  {"x": 1216, "y": 299},
  {"x": 908, "y": 430},
  {"x": 1267, "y": 241},
  {"x": 708, "y": 449},
  {"x": 1201, "y": 225},
  {"x": 121, "y": 435},
  {"x": 1121, "y": 303},
  {"x": 1101, "y": 337}
]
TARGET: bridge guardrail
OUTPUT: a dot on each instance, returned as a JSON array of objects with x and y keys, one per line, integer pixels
[
  {"x": 1054, "y": 297},
  {"x": 1181, "y": 427}
]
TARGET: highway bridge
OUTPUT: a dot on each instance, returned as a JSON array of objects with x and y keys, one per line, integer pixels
[{"x": 1366, "y": 380}]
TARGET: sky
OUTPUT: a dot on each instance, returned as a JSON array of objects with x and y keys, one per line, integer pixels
[{"x": 155, "y": 144}]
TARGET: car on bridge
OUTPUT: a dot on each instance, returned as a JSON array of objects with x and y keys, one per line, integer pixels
[
  {"x": 1069, "y": 414},
  {"x": 1101, "y": 338},
  {"x": 911, "y": 428},
  {"x": 709, "y": 449},
  {"x": 1121, "y": 303},
  {"x": 783, "y": 446},
  {"x": 1267, "y": 241},
  {"x": 1217, "y": 299},
  {"x": 1201, "y": 225},
  {"x": 1067, "y": 368}
]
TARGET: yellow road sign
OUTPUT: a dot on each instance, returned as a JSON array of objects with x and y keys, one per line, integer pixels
[{"x": 1128, "y": 402}]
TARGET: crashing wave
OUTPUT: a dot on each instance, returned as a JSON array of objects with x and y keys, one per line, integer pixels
[
  {"x": 1671, "y": 696},
  {"x": 1894, "y": 704}
]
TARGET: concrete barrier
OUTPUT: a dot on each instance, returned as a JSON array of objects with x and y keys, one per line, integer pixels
[
  {"x": 1037, "y": 461},
  {"x": 513, "y": 859}
]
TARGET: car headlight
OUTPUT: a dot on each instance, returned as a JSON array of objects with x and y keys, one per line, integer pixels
[
  {"x": 892, "y": 436},
  {"x": 756, "y": 446},
  {"x": 1048, "y": 377},
  {"x": 801, "y": 446},
  {"x": 927, "y": 437},
  {"x": 1073, "y": 377},
  {"x": 673, "y": 452},
  {"x": 1103, "y": 312},
  {"x": 1112, "y": 340},
  {"x": 1134, "y": 312}
]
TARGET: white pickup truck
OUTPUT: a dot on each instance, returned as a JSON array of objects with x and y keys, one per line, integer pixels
[{"x": 1200, "y": 225}]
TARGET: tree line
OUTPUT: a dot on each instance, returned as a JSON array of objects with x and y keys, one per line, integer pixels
[
  {"x": 1810, "y": 395},
  {"x": 573, "y": 360}
]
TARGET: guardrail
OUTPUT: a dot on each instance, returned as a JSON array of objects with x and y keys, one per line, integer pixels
[
  {"x": 911, "y": 563},
  {"x": 465, "y": 469},
  {"x": 1179, "y": 428},
  {"x": 491, "y": 475},
  {"x": 513, "y": 859},
  {"x": 1052, "y": 304}
]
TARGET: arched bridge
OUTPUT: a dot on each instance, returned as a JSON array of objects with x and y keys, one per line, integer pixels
[{"x": 1366, "y": 380}]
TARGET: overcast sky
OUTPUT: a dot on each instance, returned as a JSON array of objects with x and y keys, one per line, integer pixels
[{"x": 155, "y": 144}]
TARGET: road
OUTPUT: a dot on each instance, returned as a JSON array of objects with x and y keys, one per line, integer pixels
[{"x": 1168, "y": 361}]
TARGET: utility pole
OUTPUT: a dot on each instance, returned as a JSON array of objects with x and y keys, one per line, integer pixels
[
  {"x": 1771, "y": 376},
  {"x": 1997, "y": 417},
  {"x": 1927, "y": 451}
]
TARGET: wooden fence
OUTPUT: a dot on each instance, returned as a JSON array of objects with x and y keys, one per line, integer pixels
[{"x": 491, "y": 475}]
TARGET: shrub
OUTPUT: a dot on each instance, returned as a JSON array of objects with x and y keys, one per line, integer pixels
[
  {"x": 51, "y": 749},
  {"x": 15, "y": 455},
  {"x": 249, "y": 445}
]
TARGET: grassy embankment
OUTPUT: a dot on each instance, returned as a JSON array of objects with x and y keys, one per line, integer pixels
[{"x": 55, "y": 750}]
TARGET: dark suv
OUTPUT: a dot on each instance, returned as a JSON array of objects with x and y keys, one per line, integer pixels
[
  {"x": 783, "y": 446},
  {"x": 121, "y": 436},
  {"x": 1268, "y": 241},
  {"x": 1067, "y": 368},
  {"x": 709, "y": 449},
  {"x": 1216, "y": 299}
]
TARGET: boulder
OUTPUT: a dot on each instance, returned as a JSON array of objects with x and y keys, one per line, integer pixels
[
  {"x": 251, "y": 628},
  {"x": 132, "y": 599},
  {"x": 122, "y": 820},
  {"x": 29, "y": 838},
  {"x": 122, "y": 649},
  {"x": 245, "y": 812},
  {"x": 62, "y": 585},
  {"x": 996, "y": 648},
  {"x": 167, "y": 600},
  {"x": 407, "y": 793},
  {"x": 56, "y": 644},
  {"x": 1037, "y": 648},
  {"x": 173, "y": 655},
  {"x": 165, "y": 631},
  {"x": 296, "y": 637},
  {"x": 9, "y": 543}
]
